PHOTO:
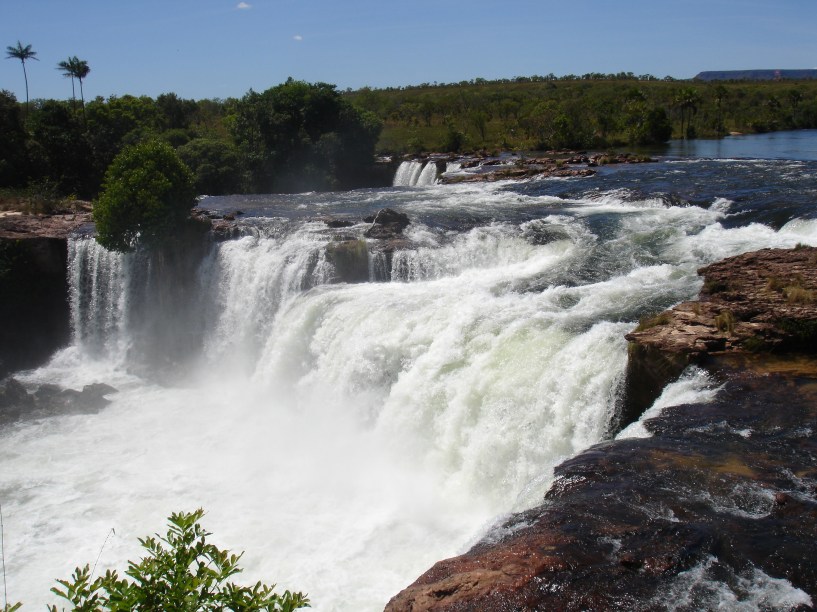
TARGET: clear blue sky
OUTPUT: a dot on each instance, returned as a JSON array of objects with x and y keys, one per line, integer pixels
[{"x": 222, "y": 48}]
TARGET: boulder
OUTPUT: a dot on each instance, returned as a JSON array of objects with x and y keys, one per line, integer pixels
[
  {"x": 386, "y": 224},
  {"x": 350, "y": 260}
]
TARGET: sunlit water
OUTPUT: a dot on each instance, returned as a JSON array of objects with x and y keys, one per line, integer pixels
[{"x": 347, "y": 436}]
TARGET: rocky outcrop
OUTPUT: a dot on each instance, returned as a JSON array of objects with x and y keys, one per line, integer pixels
[
  {"x": 562, "y": 164},
  {"x": 49, "y": 400},
  {"x": 718, "y": 505},
  {"x": 34, "y": 308},
  {"x": 764, "y": 301},
  {"x": 386, "y": 224}
]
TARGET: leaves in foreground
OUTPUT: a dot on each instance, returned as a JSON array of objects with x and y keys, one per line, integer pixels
[{"x": 181, "y": 572}]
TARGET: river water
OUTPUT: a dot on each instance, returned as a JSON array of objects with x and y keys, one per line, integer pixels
[{"x": 348, "y": 435}]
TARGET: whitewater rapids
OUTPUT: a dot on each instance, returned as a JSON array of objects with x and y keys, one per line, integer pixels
[{"x": 347, "y": 436}]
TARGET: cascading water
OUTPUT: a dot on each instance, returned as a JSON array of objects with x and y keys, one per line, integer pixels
[
  {"x": 348, "y": 435},
  {"x": 415, "y": 174}
]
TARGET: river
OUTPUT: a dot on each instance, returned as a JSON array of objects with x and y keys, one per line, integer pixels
[{"x": 348, "y": 435}]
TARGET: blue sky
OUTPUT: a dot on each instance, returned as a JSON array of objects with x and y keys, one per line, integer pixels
[{"x": 222, "y": 48}]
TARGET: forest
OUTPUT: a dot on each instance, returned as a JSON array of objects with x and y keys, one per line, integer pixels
[{"x": 300, "y": 136}]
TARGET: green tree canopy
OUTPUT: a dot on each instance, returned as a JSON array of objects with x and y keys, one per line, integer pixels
[
  {"x": 299, "y": 136},
  {"x": 147, "y": 194}
]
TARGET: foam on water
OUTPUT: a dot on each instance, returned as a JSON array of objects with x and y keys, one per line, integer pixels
[{"x": 707, "y": 586}]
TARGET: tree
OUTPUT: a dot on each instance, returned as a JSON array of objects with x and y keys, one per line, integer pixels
[
  {"x": 76, "y": 69},
  {"x": 216, "y": 165},
  {"x": 147, "y": 194},
  {"x": 22, "y": 53},
  {"x": 13, "y": 153},
  {"x": 301, "y": 136},
  {"x": 68, "y": 69},
  {"x": 81, "y": 70},
  {"x": 181, "y": 571}
]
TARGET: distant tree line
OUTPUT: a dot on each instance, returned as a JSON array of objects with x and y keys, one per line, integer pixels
[
  {"x": 302, "y": 136},
  {"x": 589, "y": 111}
]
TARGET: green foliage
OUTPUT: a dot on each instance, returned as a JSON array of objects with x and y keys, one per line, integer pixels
[
  {"x": 147, "y": 194},
  {"x": 59, "y": 149},
  {"x": 13, "y": 159},
  {"x": 593, "y": 110},
  {"x": 216, "y": 165},
  {"x": 300, "y": 136},
  {"x": 181, "y": 571}
]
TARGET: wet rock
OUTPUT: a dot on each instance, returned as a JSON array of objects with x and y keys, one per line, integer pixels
[
  {"x": 350, "y": 260},
  {"x": 93, "y": 396},
  {"x": 50, "y": 400},
  {"x": 759, "y": 302},
  {"x": 386, "y": 224},
  {"x": 625, "y": 519},
  {"x": 337, "y": 223}
]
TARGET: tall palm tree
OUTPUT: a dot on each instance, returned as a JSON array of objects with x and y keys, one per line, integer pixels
[
  {"x": 81, "y": 70},
  {"x": 68, "y": 68},
  {"x": 22, "y": 53}
]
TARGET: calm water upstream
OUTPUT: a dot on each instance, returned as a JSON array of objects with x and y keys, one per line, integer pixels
[{"x": 347, "y": 436}]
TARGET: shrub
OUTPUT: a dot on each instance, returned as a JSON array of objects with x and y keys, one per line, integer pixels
[
  {"x": 180, "y": 572},
  {"x": 147, "y": 194}
]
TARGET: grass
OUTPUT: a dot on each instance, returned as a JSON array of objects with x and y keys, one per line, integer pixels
[
  {"x": 653, "y": 321},
  {"x": 792, "y": 289},
  {"x": 713, "y": 286},
  {"x": 725, "y": 321}
]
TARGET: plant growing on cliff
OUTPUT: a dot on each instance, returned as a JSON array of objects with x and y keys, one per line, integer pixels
[
  {"x": 147, "y": 195},
  {"x": 181, "y": 571}
]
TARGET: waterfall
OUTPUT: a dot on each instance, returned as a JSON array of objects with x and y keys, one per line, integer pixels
[
  {"x": 361, "y": 430},
  {"x": 415, "y": 174}
]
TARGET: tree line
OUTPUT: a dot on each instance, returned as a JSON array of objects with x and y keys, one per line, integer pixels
[
  {"x": 292, "y": 137},
  {"x": 296, "y": 136},
  {"x": 300, "y": 136},
  {"x": 582, "y": 112}
]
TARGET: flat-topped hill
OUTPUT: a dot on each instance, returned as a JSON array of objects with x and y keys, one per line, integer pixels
[{"x": 755, "y": 75}]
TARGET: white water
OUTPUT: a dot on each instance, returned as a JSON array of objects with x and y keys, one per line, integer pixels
[
  {"x": 346, "y": 436},
  {"x": 415, "y": 174}
]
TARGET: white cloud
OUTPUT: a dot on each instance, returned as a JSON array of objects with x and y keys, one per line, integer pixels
[
  {"x": 243, "y": 6},
  {"x": 298, "y": 37}
]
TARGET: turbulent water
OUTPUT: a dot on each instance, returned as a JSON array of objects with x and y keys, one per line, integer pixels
[{"x": 348, "y": 435}]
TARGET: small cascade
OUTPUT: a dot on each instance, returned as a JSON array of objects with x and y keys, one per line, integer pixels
[
  {"x": 415, "y": 174},
  {"x": 98, "y": 294},
  {"x": 429, "y": 175}
]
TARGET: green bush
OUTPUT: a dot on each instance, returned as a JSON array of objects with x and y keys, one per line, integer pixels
[
  {"x": 180, "y": 572},
  {"x": 146, "y": 196}
]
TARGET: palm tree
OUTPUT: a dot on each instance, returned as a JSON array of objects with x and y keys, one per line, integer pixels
[
  {"x": 22, "y": 53},
  {"x": 81, "y": 70},
  {"x": 68, "y": 69}
]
